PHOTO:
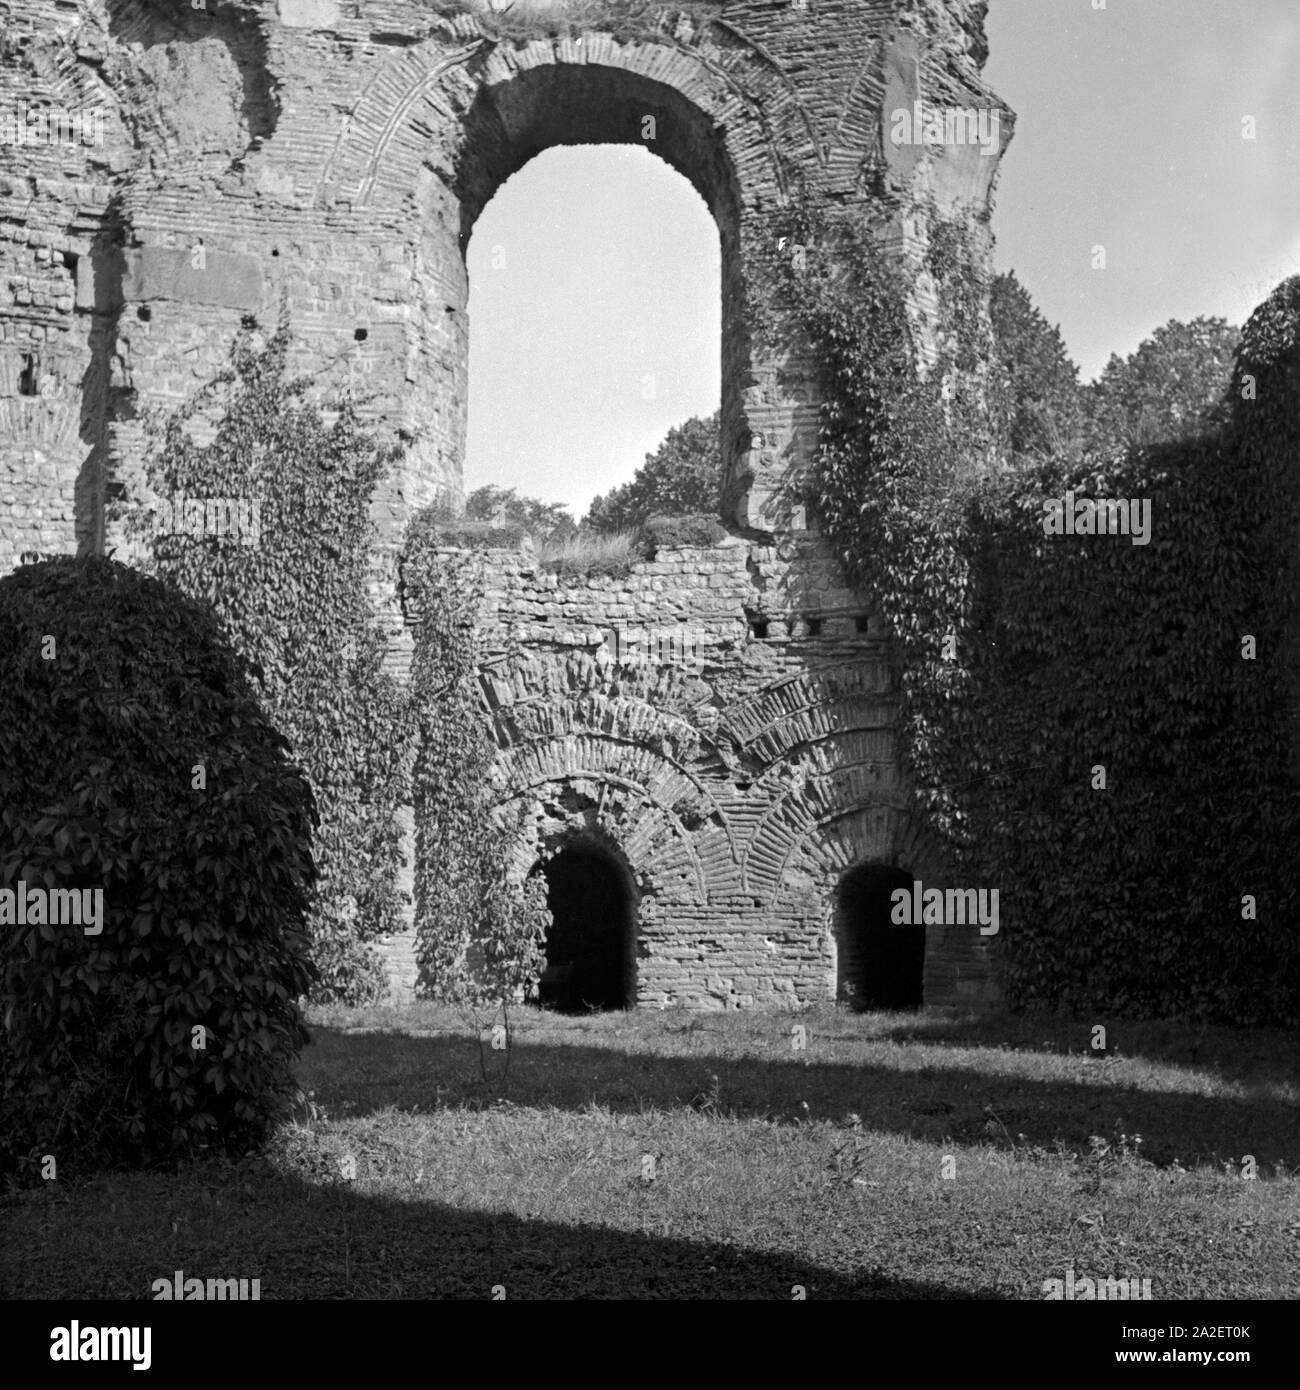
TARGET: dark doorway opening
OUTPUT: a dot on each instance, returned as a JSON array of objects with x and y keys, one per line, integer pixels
[
  {"x": 881, "y": 963},
  {"x": 589, "y": 949}
]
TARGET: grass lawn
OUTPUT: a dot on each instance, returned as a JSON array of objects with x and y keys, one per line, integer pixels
[{"x": 675, "y": 1155}]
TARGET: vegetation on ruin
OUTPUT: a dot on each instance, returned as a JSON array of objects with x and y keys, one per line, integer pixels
[
  {"x": 520, "y": 21},
  {"x": 1174, "y": 387},
  {"x": 137, "y": 763},
  {"x": 587, "y": 553},
  {"x": 695, "y": 530},
  {"x": 672, "y": 500},
  {"x": 1030, "y": 661},
  {"x": 1042, "y": 403},
  {"x": 479, "y": 933},
  {"x": 295, "y": 604},
  {"x": 504, "y": 507},
  {"x": 683, "y": 477}
]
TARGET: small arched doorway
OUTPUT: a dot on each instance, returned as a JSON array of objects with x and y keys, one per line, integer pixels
[
  {"x": 590, "y": 947},
  {"x": 881, "y": 963}
]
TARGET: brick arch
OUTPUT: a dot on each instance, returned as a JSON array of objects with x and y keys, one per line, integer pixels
[
  {"x": 665, "y": 780},
  {"x": 877, "y": 834},
  {"x": 656, "y": 845},
  {"x": 810, "y": 707},
  {"x": 51, "y": 425},
  {"x": 958, "y": 964},
  {"x": 532, "y": 691},
  {"x": 802, "y": 815},
  {"x": 513, "y": 101},
  {"x": 824, "y": 741},
  {"x": 624, "y": 718},
  {"x": 440, "y": 126}
]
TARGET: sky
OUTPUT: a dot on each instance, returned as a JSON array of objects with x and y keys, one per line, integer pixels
[{"x": 595, "y": 297}]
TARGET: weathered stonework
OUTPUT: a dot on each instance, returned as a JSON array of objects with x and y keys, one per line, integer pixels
[
  {"x": 333, "y": 155},
  {"x": 736, "y": 778}
]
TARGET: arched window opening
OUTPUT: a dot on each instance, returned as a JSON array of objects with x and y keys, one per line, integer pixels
[{"x": 595, "y": 310}]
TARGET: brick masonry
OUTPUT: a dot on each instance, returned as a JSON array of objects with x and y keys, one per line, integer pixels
[
  {"x": 734, "y": 777},
  {"x": 331, "y": 156}
]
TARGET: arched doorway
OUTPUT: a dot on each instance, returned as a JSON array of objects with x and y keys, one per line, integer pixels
[
  {"x": 881, "y": 963},
  {"x": 590, "y": 951}
]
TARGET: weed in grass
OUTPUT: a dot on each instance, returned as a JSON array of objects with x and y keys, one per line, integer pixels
[
  {"x": 1121, "y": 1155},
  {"x": 847, "y": 1160},
  {"x": 707, "y": 1101}
]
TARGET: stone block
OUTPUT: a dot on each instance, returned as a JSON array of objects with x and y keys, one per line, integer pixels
[
  {"x": 226, "y": 280},
  {"x": 309, "y": 14}
]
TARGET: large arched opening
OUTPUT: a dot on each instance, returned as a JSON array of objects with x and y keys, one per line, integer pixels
[
  {"x": 881, "y": 963},
  {"x": 594, "y": 301},
  {"x": 591, "y": 942},
  {"x": 506, "y": 125}
]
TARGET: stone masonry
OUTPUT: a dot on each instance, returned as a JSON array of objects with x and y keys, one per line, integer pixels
[
  {"x": 331, "y": 156},
  {"x": 721, "y": 724}
]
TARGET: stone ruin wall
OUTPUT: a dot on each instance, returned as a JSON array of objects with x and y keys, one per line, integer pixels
[
  {"x": 336, "y": 155},
  {"x": 721, "y": 722},
  {"x": 332, "y": 155}
]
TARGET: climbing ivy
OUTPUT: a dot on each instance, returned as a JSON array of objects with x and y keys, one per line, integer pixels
[
  {"x": 290, "y": 592},
  {"x": 479, "y": 935},
  {"x": 1030, "y": 662},
  {"x": 900, "y": 451}
]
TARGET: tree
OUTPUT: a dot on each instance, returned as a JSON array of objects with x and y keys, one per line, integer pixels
[
  {"x": 1174, "y": 386},
  {"x": 504, "y": 507},
  {"x": 683, "y": 475},
  {"x": 1043, "y": 408}
]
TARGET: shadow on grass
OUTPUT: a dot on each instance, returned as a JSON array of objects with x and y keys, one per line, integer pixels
[
  {"x": 325, "y": 1242},
  {"x": 1249, "y": 1056},
  {"x": 358, "y": 1074}
]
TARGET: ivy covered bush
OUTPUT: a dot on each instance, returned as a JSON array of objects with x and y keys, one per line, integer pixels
[
  {"x": 1096, "y": 728},
  {"x": 484, "y": 535},
  {"x": 691, "y": 529},
  {"x": 138, "y": 771},
  {"x": 291, "y": 593}
]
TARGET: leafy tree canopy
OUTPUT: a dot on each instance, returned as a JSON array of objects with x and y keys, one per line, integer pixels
[
  {"x": 1171, "y": 388},
  {"x": 504, "y": 507},
  {"x": 684, "y": 475},
  {"x": 1041, "y": 382}
]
